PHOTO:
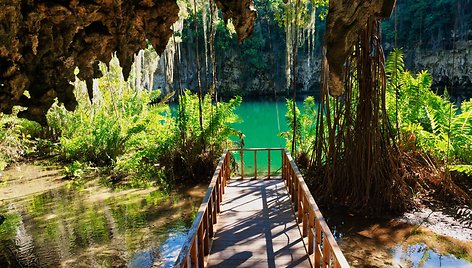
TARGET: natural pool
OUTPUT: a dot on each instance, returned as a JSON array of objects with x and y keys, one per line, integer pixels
[{"x": 53, "y": 223}]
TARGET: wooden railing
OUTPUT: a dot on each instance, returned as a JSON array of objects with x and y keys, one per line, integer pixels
[
  {"x": 255, "y": 151},
  {"x": 322, "y": 247},
  {"x": 320, "y": 244},
  {"x": 200, "y": 236}
]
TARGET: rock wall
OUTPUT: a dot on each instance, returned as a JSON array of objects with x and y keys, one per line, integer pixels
[
  {"x": 42, "y": 43},
  {"x": 232, "y": 79},
  {"x": 448, "y": 67}
]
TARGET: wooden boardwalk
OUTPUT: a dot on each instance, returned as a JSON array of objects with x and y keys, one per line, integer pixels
[
  {"x": 266, "y": 221},
  {"x": 257, "y": 227}
]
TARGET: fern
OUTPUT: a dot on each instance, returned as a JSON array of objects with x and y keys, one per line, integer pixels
[{"x": 464, "y": 169}]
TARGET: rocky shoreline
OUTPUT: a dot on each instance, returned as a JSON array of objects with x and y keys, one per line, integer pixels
[{"x": 456, "y": 223}]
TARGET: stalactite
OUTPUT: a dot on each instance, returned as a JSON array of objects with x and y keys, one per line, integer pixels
[
  {"x": 169, "y": 63},
  {"x": 213, "y": 24},
  {"x": 205, "y": 35},
  {"x": 311, "y": 35},
  {"x": 197, "y": 63},
  {"x": 288, "y": 44},
  {"x": 47, "y": 40},
  {"x": 294, "y": 76}
]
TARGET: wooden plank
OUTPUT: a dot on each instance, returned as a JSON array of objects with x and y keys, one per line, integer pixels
[
  {"x": 186, "y": 248},
  {"x": 269, "y": 226},
  {"x": 313, "y": 206},
  {"x": 257, "y": 226}
]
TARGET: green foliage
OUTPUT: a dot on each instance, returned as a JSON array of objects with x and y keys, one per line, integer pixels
[
  {"x": 306, "y": 125},
  {"x": 74, "y": 170},
  {"x": 251, "y": 50},
  {"x": 14, "y": 138},
  {"x": 106, "y": 129},
  {"x": 194, "y": 151},
  {"x": 118, "y": 129},
  {"x": 429, "y": 121},
  {"x": 464, "y": 169},
  {"x": 429, "y": 24}
]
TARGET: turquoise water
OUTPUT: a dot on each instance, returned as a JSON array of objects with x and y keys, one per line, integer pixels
[{"x": 261, "y": 122}]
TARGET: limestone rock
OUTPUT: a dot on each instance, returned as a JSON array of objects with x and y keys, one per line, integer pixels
[
  {"x": 242, "y": 13},
  {"x": 42, "y": 43},
  {"x": 344, "y": 21}
]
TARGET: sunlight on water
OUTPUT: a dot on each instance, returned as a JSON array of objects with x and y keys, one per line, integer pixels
[
  {"x": 260, "y": 125},
  {"x": 420, "y": 255},
  {"x": 93, "y": 226}
]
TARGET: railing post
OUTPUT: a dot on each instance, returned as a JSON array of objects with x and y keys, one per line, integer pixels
[
  {"x": 210, "y": 219},
  {"x": 300, "y": 204},
  {"x": 311, "y": 230},
  {"x": 326, "y": 252},
  {"x": 283, "y": 167},
  {"x": 306, "y": 215},
  {"x": 221, "y": 188},
  {"x": 201, "y": 256},
  {"x": 241, "y": 153},
  {"x": 255, "y": 164},
  {"x": 228, "y": 169},
  {"x": 206, "y": 228},
  {"x": 268, "y": 163},
  {"x": 213, "y": 205},
  {"x": 193, "y": 253},
  {"x": 217, "y": 189},
  {"x": 318, "y": 244}
]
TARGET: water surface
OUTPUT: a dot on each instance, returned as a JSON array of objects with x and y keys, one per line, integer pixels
[
  {"x": 262, "y": 122},
  {"x": 60, "y": 224}
]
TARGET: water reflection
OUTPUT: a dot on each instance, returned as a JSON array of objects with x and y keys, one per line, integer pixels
[
  {"x": 420, "y": 255},
  {"x": 368, "y": 242},
  {"x": 64, "y": 227}
]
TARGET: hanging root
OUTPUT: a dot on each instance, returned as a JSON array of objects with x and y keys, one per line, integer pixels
[{"x": 356, "y": 160}]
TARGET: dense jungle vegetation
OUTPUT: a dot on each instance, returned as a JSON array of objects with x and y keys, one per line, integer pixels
[
  {"x": 131, "y": 134},
  {"x": 141, "y": 131},
  {"x": 433, "y": 136}
]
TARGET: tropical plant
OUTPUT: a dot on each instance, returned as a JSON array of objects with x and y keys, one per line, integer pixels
[
  {"x": 15, "y": 140},
  {"x": 429, "y": 121},
  {"x": 306, "y": 130},
  {"x": 195, "y": 149}
]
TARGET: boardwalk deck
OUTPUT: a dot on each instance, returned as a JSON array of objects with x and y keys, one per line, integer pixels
[
  {"x": 253, "y": 222},
  {"x": 257, "y": 227}
]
